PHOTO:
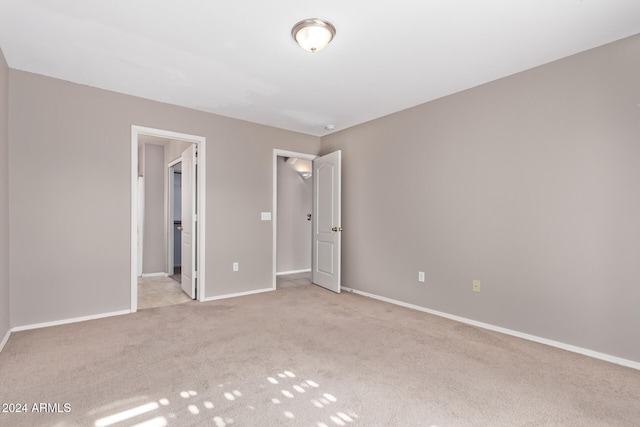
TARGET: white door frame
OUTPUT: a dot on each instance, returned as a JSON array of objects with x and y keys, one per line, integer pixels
[
  {"x": 140, "y": 229},
  {"x": 200, "y": 141},
  {"x": 282, "y": 153}
]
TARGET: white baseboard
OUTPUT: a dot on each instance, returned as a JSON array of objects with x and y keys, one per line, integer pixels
[
  {"x": 281, "y": 273},
  {"x": 5, "y": 339},
  {"x": 161, "y": 274},
  {"x": 239, "y": 294},
  {"x": 557, "y": 344},
  {"x": 65, "y": 321}
]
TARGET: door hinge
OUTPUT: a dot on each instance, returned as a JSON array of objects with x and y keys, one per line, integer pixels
[{"x": 195, "y": 274}]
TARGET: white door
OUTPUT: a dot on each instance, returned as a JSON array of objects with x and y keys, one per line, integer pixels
[
  {"x": 189, "y": 221},
  {"x": 327, "y": 229},
  {"x": 140, "y": 223}
]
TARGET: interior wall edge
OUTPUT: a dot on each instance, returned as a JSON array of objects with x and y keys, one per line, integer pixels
[{"x": 5, "y": 252}]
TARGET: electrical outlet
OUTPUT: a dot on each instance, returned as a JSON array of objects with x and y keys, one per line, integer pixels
[
  {"x": 420, "y": 276},
  {"x": 476, "y": 286},
  {"x": 235, "y": 266}
]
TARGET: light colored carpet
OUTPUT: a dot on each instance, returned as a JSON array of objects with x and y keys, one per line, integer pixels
[
  {"x": 303, "y": 356},
  {"x": 160, "y": 291},
  {"x": 295, "y": 279}
]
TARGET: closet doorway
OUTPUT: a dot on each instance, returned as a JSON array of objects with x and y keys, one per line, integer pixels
[
  {"x": 293, "y": 197},
  {"x": 324, "y": 219}
]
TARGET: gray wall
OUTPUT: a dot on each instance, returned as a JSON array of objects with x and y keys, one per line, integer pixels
[
  {"x": 529, "y": 184},
  {"x": 154, "y": 252},
  {"x": 294, "y": 231},
  {"x": 70, "y": 196},
  {"x": 4, "y": 197}
]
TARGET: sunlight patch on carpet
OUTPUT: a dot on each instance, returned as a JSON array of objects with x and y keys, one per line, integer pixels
[
  {"x": 230, "y": 403},
  {"x": 125, "y": 415},
  {"x": 155, "y": 422}
]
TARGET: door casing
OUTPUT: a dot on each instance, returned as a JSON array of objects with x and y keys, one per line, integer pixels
[{"x": 200, "y": 141}]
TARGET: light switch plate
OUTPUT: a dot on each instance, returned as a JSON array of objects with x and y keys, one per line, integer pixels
[{"x": 265, "y": 216}]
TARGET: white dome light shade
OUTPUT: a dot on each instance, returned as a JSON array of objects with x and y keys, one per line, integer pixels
[{"x": 313, "y": 34}]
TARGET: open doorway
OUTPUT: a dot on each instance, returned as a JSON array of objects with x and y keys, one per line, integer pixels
[
  {"x": 325, "y": 219},
  {"x": 155, "y": 285},
  {"x": 156, "y": 157},
  {"x": 293, "y": 195}
]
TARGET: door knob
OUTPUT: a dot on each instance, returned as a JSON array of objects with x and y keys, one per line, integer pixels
[
  {"x": 335, "y": 229},
  {"x": 180, "y": 228}
]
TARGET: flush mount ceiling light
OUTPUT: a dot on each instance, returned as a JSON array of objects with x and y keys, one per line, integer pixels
[
  {"x": 305, "y": 174},
  {"x": 313, "y": 34}
]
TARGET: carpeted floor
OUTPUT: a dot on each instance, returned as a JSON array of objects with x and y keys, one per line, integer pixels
[
  {"x": 303, "y": 356},
  {"x": 294, "y": 279},
  {"x": 160, "y": 291}
]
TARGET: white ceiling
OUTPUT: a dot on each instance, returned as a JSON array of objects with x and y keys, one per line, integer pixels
[{"x": 237, "y": 57}]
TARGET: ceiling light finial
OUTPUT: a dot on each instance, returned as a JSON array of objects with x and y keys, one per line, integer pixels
[{"x": 313, "y": 34}]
